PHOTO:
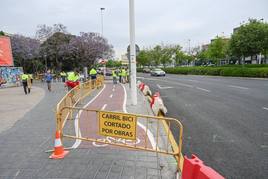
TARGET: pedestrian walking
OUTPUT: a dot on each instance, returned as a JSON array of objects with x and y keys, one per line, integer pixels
[
  {"x": 29, "y": 82},
  {"x": 48, "y": 79},
  {"x": 63, "y": 76},
  {"x": 24, "y": 78},
  {"x": 31, "y": 78}
]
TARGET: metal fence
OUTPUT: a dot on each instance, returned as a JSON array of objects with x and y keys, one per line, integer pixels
[
  {"x": 73, "y": 97},
  {"x": 88, "y": 128}
]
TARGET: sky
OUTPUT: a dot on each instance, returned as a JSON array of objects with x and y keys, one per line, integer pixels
[{"x": 185, "y": 22}]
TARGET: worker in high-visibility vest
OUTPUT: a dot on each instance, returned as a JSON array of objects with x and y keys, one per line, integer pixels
[
  {"x": 24, "y": 79},
  {"x": 120, "y": 75},
  {"x": 63, "y": 76},
  {"x": 124, "y": 75},
  {"x": 114, "y": 76},
  {"x": 93, "y": 76},
  {"x": 73, "y": 80}
]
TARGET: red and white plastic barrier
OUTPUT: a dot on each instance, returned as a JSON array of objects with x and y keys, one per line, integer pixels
[
  {"x": 157, "y": 104},
  {"x": 194, "y": 168},
  {"x": 144, "y": 88}
]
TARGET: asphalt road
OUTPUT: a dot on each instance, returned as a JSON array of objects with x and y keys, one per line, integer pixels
[{"x": 225, "y": 120}]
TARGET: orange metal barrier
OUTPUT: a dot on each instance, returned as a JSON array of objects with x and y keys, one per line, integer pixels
[
  {"x": 139, "y": 140},
  {"x": 72, "y": 98}
]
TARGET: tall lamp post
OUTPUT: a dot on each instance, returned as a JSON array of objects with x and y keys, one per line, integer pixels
[
  {"x": 102, "y": 9},
  {"x": 132, "y": 52}
]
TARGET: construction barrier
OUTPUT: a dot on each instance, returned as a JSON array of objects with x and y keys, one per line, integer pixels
[
  {"x": 194, "y": 168},
  {"x": 158, "y": 108},
  {"x": 157, "y": 104},
  {"x": 137, "y": 140},
  {"x": 72, "y": 98},
  {"x": 191, "y": 168},
  {"x": 128, "y": 136}
]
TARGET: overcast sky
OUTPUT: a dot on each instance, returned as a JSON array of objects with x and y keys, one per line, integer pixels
[{"x": 157, "y": 21}]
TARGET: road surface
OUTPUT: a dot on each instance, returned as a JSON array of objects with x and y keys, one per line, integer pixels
[{"x": 225, "y": 120}]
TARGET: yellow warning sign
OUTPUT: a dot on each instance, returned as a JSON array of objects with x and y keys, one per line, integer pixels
[{"x": 117, "y": 125}]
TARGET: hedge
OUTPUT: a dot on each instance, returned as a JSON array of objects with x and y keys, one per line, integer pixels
[{"x": 260, "y": 72}]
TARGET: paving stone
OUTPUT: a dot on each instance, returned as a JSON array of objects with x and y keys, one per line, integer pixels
[{"x": 128, "y": 171}]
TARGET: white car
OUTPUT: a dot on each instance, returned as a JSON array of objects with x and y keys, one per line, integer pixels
[{"x": 157, "y": 72}]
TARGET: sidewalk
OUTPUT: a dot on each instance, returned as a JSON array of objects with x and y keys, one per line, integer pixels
[
  {"x": 14, "y": 101},
  {"x": 22, "y": 151}
]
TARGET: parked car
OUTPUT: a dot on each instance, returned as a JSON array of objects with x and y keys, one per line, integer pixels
[
  {"x": 157, "y": 72},
  {"x": 146, "y": 70}
]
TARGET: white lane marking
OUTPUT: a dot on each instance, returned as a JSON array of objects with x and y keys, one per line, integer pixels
[
  {"x": 113, "y": 89},
  {"x": 239, "y": 87},
  {"x": 163, "y": 87},
  {"x": 193, "y": 81},
  {"x": 264, "y": 146},
  {"x": 140, "y": 77},
  {"x": 111, "y": 95},
  {"x": 265, "y": 108},
  {"x": 104, "y": 106},
  {"x": 17, "y": 173},
  {"x": 149, "y": 133},
  {"x": 203, "y": 89},
  {"x": 183, "y": 84},
  {"x": 77, "y": 130}
]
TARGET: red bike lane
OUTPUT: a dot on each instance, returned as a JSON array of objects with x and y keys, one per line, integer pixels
[{"x": 111, "y": 98}]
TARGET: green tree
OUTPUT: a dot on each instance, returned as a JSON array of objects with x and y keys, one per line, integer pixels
[
  {"x": 250, "y": 39},
  {"x": 217, "y": 50},
  {"x": 166, "y": 55},
  {"x": 113, "y": 63},
  {"x": 143, "y": 58},
  {"x": 2, "y": 33},
  {"x": 155, "y": 55},
  {"x": 53, "y": 49}
]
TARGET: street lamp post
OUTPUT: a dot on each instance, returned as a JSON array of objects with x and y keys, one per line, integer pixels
[
  {"x": 102, "y": 9},
  {"x": 132, "y": 52}
]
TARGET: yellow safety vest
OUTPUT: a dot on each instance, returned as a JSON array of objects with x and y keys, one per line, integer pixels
[
  {"x": 124, "y": 73},
  {"x": 93, "y": 72},
  {"x": 24, "y": 77},
  {"x": 72, "y": 77},
  {"x": 113, "y": 73}
]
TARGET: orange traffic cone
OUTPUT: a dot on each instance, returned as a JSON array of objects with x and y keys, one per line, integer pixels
[{"x": 59, "y": 152}]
